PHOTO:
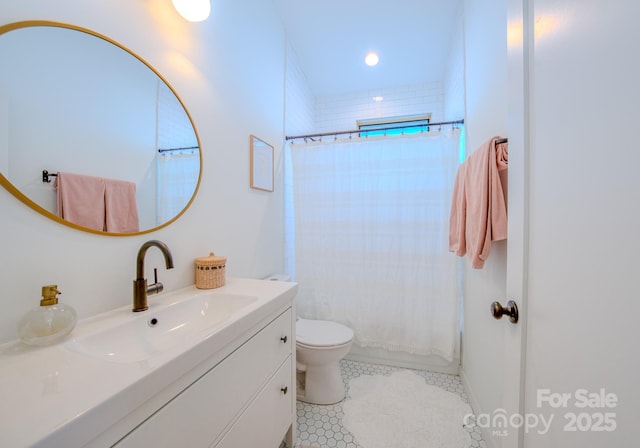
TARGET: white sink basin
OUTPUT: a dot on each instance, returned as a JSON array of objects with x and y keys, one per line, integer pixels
[{"x": 152, "y": 332}]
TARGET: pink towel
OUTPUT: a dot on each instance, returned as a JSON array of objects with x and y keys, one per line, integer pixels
[
  {"x": 81, "y": 199},
  {"x": 478, "y": 209},
  {"x": 97, "y": 203},
  {"x": 121, "y": 211},
  {"x": 502, "y": 156}
]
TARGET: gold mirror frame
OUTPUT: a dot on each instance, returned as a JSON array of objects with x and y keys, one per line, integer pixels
[{"x": 33, "y": 205}]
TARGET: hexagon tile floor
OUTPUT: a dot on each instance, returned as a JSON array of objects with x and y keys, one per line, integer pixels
[{"x": 321, "y": 426}]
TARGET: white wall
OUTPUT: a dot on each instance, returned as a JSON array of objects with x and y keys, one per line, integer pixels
[
  {"x": 486, "y": 116},
  {"x": 229, "y": 72}
]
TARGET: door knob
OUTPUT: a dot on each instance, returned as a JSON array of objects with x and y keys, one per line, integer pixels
[{"x": 510, "y": 310}]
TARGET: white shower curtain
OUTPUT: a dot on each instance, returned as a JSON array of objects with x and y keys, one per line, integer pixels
[
  {"x": 368, "y": 239},
  {"x": 178, "y": 173}
]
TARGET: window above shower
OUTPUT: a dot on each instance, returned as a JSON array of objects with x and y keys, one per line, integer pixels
[{"x": 402, "y": 125}]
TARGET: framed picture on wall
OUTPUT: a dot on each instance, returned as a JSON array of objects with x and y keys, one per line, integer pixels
[{"x": 261, "y": 164}]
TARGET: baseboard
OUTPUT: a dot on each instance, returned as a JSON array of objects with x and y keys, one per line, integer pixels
[
  {"x": 375, "y": 355},
  {"x": 475, "y": 407}
]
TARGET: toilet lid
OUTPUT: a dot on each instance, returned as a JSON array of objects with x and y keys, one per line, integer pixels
[{"x": 322, "y": 333}]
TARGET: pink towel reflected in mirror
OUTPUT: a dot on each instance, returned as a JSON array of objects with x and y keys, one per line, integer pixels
[
  {"x": 121, "y": 211},
  {"x": 97, "y": 203}
]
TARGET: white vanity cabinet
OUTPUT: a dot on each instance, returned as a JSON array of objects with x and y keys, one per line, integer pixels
[
  {"x": 199, "y": 368},
  {"x": 246, "y": 399}
]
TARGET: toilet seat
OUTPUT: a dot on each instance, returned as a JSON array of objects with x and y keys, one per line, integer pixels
[{"x": 322, "y": 333}]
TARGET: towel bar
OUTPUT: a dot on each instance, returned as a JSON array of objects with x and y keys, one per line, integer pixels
[{"x": 46, "y": 174}]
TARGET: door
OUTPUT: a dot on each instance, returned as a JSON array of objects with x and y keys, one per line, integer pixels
[
  {"x": 511, "y": 434},
  {"x": 574, "y": 207}
]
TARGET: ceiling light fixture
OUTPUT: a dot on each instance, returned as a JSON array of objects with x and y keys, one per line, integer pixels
[
  {"x": 193, "y": 10},
  {"x": 377, "y": 99},
  {"x": 371, "y": 59}
]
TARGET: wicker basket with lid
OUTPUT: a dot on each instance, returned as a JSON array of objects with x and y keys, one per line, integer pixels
[{"x": 210, "y": 271}]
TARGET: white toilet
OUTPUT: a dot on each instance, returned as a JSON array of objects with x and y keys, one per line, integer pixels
[{"x": 320, "y": 345}]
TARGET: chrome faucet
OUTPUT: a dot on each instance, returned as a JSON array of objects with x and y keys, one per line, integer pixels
[{"x": 140, "y": 288}]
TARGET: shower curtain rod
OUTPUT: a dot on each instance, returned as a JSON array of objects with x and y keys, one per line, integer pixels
[
  {"x": 358, "y": 131},
  {"x": 186, "y": 148}
]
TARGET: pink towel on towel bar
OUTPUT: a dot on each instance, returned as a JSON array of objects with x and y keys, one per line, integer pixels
[
  {"x": 478, "y": 209},
  {"x": 81, "y": 199},
  {"x": 121, "y": 211},
  {"x": 97, "y": 203}
]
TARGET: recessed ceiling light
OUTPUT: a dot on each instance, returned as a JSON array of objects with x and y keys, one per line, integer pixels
[
  {"x": 377, "y": 98},
  {"x": 371, "y": 59}
]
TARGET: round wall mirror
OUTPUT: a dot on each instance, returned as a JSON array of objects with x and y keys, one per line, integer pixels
[{"x": 78, "y": 106}]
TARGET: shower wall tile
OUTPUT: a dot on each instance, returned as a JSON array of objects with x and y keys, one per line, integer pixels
[
  {"x": 454, "y": 75},
  {"x": 340, "y": 112},
  {"x": 174, "y": 128},
  {"x": 306, "y": 113},
  {"x": 299, "y": 101}
]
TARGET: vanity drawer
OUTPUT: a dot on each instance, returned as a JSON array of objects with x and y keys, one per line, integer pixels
[
  {"x": 269, "y": 416},
  {"x": 202, "y": 412}
]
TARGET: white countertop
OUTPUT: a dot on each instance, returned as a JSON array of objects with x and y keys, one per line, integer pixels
[{"x": 53, "y": 396}]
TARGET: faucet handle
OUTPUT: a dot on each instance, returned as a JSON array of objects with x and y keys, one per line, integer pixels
[{"x": 157, "y": 286}]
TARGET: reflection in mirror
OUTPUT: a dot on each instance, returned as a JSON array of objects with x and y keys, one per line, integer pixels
[{"x": 73, "y": 101}]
